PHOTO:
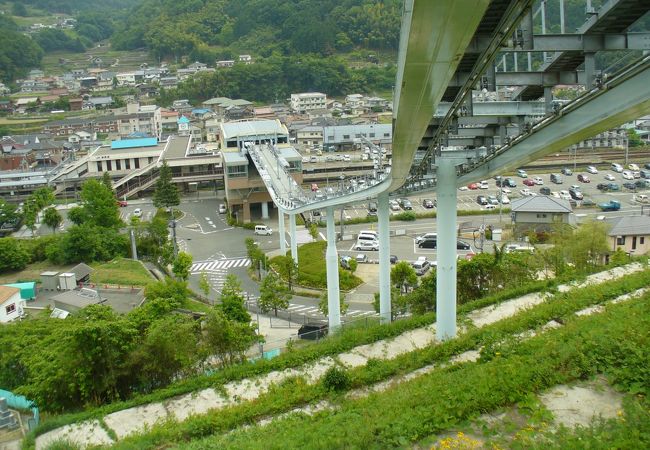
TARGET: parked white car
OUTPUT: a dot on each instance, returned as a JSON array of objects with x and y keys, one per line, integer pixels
[
  {"x": 538, "y": 181},
  {"x": 609, "y": 177},
  {"x": 505, "y": 200},
  {"x": 592, "y": 170},
  {"x": 483, "y": 185},
  {"x": 526, "y": 192},
  {"x": 137, "y": 212},
  {"x": 633, "y": 167},
  {"x": 627, "y": 175},
  {"x": 367, "y": 245},
  {"x": 564, "y": 195}
]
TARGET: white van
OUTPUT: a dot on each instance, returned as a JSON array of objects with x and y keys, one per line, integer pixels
[
  {"x": 617, "y": 167},
  {"x": 263, "y": 230},
  {"x": 369, "y": 232}
]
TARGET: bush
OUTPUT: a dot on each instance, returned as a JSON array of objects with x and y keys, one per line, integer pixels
[
  {"x": 406, "y": 216},
  {"x": 250, "y": 226},
  {"x": 336, "y": 379},
  {"x": 13, "y": 256}
]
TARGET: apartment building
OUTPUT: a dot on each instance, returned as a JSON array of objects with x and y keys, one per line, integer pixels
[{"x": 307, "y": 101}]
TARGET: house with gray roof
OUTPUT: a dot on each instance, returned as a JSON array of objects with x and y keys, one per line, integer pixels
[
  {"x": 631, "y": 234},
  {"x": 540, "y": 212}
]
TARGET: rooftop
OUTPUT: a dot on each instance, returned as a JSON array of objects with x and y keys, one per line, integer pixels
[
  {"x": 6, "y": 292},
  {"x": 541, "y": 203},
  {"x": 134, "y": 143},
  {"x": 631, "y": 225},
  {"x": 252, "y": 128},
  {"x": 177, "y": 147}
]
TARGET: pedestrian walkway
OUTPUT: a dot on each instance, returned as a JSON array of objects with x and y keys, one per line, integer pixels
[{"x": 314, "y": 311}]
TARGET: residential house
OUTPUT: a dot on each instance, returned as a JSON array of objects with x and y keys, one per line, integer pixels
[
  {"x": 341, "y": 137},
  {"x": 246, "y": 59},
  {"x": 11, "y": 304},
  {"x": 76, "y": 104},
  {"x": 97, "y": 103},
  {"x": 540, "y": 213},
  {"x": 225, "y": 63},
  {"x": 168, "y": 82},
  {"x": 631, "y": 234},
  {"x": 353, "y": 101},
  {"x": 264, "y": 112},
  {"x": 310, "y": 135},
  {"x": 125, "y": 78},
  {"x": 212, "y": 127},
  {"x": 306, "y": 101},
  {"x": 182, "y": 106},
  {"x": 616, "y": 138}
]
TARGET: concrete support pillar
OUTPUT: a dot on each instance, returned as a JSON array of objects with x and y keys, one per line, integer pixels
[
  {"x": 292, "y": 232},
  {"x": 446, "y": 270},
  {"x": 265, "y": 210},
  {"x": 383, "y": 216},
  {"x": 332, "y": 265},
  {"x": 282, "y": 234},
  {"x": 246, "y": 208},
  {"x": 590, "y": 69},
  {"x": 548, "y": 99}
]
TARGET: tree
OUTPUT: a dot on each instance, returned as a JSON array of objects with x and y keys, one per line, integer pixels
[
  {"x": 402, "y": 275},
  {"x": 166, "y": 193},
  {"x": 99, "y": 205},
  {"x": 204, "y": 284},
  {"x": 106, "y": 179},
  {"x": 12, "y": 255},
  {"x": 323, "y": 305},
  {"x": 313, "y": 231},
  {"x": 228, "y": 339},
  {"x": 52, "y": 218},
  {"x": 18, "y": 9},
  {"x": 31, "y": 215},
  {"x": 274, "y": 294},
  {"x": 288, "y": 269},
  {"x": 7, "y": 212},
  {"x": 256, "y": 255},
  {"x": 181, "y": 266},
  {"x": 232, "y": 300}
]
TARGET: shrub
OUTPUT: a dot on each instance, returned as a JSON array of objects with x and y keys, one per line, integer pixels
[
  {"x": 406, "y": 216},
  {"x": 336, "y": 379}
]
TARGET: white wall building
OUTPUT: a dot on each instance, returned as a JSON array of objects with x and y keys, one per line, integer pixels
[
  {"x": 11, "y": 304},
  {"x": 307, "y": 101}
]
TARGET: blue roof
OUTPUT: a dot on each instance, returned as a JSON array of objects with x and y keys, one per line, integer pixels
[
  {"x": 138, "y": 135},
  {"x": 200, "y": 111},
  {"x": 183, "y": 119},
  {"x": 132, "y": 143}
]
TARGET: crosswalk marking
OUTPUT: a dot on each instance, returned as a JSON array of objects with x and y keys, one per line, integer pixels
[{"x": 211, "y": 266}]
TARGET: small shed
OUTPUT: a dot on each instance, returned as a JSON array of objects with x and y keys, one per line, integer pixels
[
  {"x": 27, "y": 289},
  {"x": 49, "y": 281},
  {"x": 67, "y": 281},
  {"x": 82, "y": 272}
]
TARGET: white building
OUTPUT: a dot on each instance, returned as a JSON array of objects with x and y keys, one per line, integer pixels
[
  {"x": 11, "y": 304},
  {"x": 307, "y": 101}
]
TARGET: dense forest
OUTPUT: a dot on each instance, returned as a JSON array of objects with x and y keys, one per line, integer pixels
[
  {"x": 273, "y": 79},
  {"x": 18, "y": 53},
  {"x": 216, "y": 28},
  {"x": 76, "y": 6}
]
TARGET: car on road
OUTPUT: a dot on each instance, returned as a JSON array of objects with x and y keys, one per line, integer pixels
[
  {"x": 612, "y": 205},
  {"x": 641, "y": 198},
  {"x": 609, "y": 177},
  {"x": 347, "y": 158},
  {"x": 538, "y": 181},
  {"x": 484, "y": 185},
  {"x": 566, "y": 171},
  {"x": 313, "y": 159},
  {"x": 602, "y": 186},
  {"x": 421, "y": 266},
  {"x": 556, "y": 178},
  {"x": 338, "y": 158},
  {"x": 493, "y": 200},
  {"x": 394, "y": 205},
  {"x": 137, "y": 212},
  {"x": 576, "y": 194},
  {"x": 528, "y": 182},
  {"x": 329, "y": 158},
  {"x": 613, "y": 187},
  {"x": 545, "y": 190},
  {"x": 642, "y": 184},
  {"x": 472, "y": 186},
  {"x": 504, "y": 200},
  {"x": 305, "y": 159},
  {"x": 367, "y": 245},
  {"x": 592, "y": 170},
  {"x": 426, "y": 236},
  {"x": 506, "y": 190},
  {"x": 629, "y": 185},
  {"x": 627, "y": 175},
  {"x": 361, "y": 258},
  {"x": 526, "y": 192},
  {"x": 393, "y": 259},
  {"x": 428, "y": 203},
  {"x": 406, "y": 205},
  {"x": 481, "y": 200},
  {"x": 564, "y": 195},
  {"x": 588, "y": 202},
  {"x": 583, "y": 178},
  {"x": 345, "y": 262},
  {"x": 462, "y": 245},
  {"x": 222, "y": 209},
  {"x": 617, "y": 168},
  {"x": 428, "y": 243},
  {"x": 506, "y": 182},
  {"x": 122, "y": 203},
  {"x": 522, "y": 173},
  {"x": 263, "y": 230},
  {"x": 633, "y": 167}
]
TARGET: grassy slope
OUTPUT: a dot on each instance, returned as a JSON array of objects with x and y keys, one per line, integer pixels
[{"x": 121, "y": 271}]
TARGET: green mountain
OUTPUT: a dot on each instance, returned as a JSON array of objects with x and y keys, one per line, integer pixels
[
  {"x": 18, "y": 53},
  {"x": 75, "y": 6},
  {"x": 217, "y": 29}
]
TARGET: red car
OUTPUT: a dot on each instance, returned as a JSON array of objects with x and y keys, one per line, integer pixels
[
  {"x": 122, "y": 203},
  {"x": 529, "y": 182},
  {"x": 584, "y": 178},
  {"x": 472, "y": 186}
]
